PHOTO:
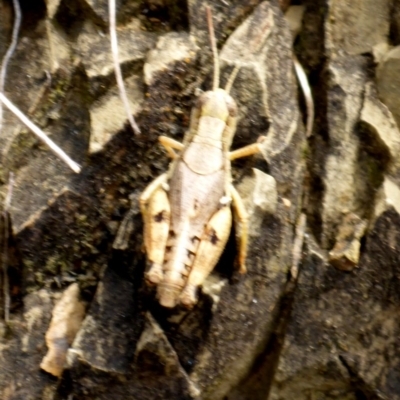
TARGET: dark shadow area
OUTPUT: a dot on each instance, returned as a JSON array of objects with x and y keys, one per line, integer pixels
[
  {"x": 362, "y": 390},
  {"x": 32, "y": 13},
  {"x": 170, "y": 15},
  {"x": 257, "y": 383},
  {"x": 71, "y": 16}
]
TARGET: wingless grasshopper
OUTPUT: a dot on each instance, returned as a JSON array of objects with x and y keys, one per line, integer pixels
[{"x": 187, "y": 211}]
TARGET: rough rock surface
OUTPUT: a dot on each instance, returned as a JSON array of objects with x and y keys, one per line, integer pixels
[{"x": 332, "y": 333}]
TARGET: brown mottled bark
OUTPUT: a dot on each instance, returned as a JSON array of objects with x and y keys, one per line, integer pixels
[{"x": 332, "y": 334}]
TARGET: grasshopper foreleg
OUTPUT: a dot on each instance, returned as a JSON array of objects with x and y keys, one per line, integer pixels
[
  {"x": 170, "y": 145},
  {"x": 156, "y": 211},
  {"x": 245, "y": 151}
]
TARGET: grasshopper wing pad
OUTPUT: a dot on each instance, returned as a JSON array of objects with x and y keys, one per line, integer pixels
[
  {"x": 211, "y": 246},
  {"x": 194, "y": 197}
]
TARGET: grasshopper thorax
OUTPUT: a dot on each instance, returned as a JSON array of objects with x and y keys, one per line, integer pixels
[{"x": 216, "y": 117}]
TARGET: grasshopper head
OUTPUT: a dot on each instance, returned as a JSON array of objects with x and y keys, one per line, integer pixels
[
  {"x": 217, "y": 104},
  {"x": 220, "y": 110}
]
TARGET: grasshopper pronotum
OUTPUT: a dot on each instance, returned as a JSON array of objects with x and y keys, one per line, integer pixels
[{"x": 187, "y": 210}]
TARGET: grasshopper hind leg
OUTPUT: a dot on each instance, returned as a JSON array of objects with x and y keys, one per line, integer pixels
[
  {"x": 211, "y": 246},
  {"x": 156, "y": 211},
  {"x": 213, "y": 243},
  {"x": 241, "y": 222}
]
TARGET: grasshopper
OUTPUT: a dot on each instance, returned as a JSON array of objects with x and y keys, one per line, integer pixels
[{"x": 187, "y": 211}]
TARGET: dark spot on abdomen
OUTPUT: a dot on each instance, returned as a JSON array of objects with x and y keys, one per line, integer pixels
[
  {"x": 214, "y": 239},
  {"x": 160, "y": 217}
]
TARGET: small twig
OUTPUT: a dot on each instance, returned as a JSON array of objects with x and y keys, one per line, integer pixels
[
  {"x": 9, "y": 53},
  {"x": 6, "y": 226},
  {"x": 255, "y": 44},
  {"x": 7, "y": 201},
  {"x": 40, "y": 134},
  {"x": 298, "y": 246},
  {"x": 294, "y": 17},
  {"x": 117, "y": 68},
  {"x": 305, "y": 86}
]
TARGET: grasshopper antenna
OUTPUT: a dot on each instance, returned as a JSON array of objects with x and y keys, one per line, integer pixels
[
  {"x": 216, "y": 58},
  {"x": 232, "y": 78},
  {"x": 213, "y": 48}
]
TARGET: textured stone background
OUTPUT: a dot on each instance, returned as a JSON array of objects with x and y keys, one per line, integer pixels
[{"x": 334, "y": 332}]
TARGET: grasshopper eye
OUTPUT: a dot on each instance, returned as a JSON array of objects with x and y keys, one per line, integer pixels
[{"x": 202, "y": 99}]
